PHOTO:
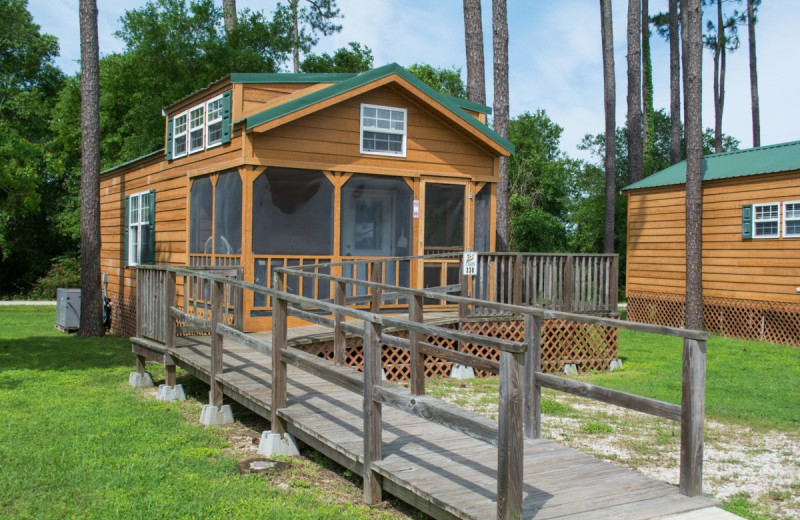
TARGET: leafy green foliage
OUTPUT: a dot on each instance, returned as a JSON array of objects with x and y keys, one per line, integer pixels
[
  {"x": 445, "y": 80},
  {"x": 540, "y": 176},
  {"x": 356, "y": 58},
  {"x": 65, "y": 272},
  {"x": 304, "y": 20}
]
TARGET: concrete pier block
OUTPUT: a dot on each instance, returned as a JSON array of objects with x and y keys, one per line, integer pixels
[
  {"x": 461, "y": 372},
  {"x": 614, "y": 364},
  {"x": 170, "y": 393},
  {"x": 140, "y": 380},
  {"x": 273, "y": 444},
  {"x": 571, "y": 369},
  {"x": 212, "y": 415}
]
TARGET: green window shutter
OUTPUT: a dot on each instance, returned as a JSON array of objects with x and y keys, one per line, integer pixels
[
  {"x": 226, "y": 117},
  {"x": 169, "y": 139},
  {"x": 125, "y": 245},
  {"x": 151, "y": 231},
  {"x": 747, "y": 221}
]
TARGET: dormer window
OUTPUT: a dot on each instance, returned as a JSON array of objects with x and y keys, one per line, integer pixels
[
  {"x": 383, "y": 130},
  {"x": 200, "y": 127},
  {"x": 179, "y": 141},
  {"x": 197, "y": 127},
  {"x": 214, "y": 122}
]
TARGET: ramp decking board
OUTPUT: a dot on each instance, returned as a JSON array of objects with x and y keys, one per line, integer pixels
[{"x": 442, "y": 472}]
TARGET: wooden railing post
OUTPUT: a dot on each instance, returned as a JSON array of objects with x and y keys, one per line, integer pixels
[
  {"x": 217, "y": 301},
  {"x": 375, "y": 275},
  {"x": 613, "y": 286},
  {"x": 372, "y": 412},
  {"x": 510, "y": 448},
  {"x": 339, "y": 336},
  {"x": 533, "y": 364},
  {"x": 692, "y": 415},
  {"x": 279, "y": 329},
  {"x": 238, "y": 310},
  {"x": 415, "y": 313},
  {"x": 569, "y": 284},
  {"x": 516, "y": 296},
  {"x": 463, "y": 309},
  {"x": 169, "y": 340}
]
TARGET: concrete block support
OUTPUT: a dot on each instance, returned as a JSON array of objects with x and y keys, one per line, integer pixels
[
  {"x": 140, "y": 379},
  {"x": 273, "y": 444},
  {"x": 170, "y": 393},
  {"x": 461, "y": 372},
  {"x": 210, "y": 414}
]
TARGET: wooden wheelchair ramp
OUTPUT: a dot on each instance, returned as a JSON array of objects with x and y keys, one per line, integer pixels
[{"x": 439, "y": 471}]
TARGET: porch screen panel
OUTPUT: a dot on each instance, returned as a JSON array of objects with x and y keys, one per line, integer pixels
[
  {"x": 444, "y": 216},
  {"x": 200, "y": 215},
  {"x": 228, "y": 215},
  {"x": 482, "y": 218},
  {"x": 376, "y": 217},
  {"x": 292, "y": 213}
]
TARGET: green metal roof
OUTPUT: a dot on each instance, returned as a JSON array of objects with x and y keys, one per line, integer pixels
[
  {"x": 364, "y": 78},
  {"x": 286, "y": 77},
  {"x": 740, "y": 163},
  {"x": 126, "y": 163}
]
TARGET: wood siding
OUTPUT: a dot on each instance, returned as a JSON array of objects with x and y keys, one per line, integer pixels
[
  {"x": 329, "y": 140},
  {"x": 753, "y": 269}
]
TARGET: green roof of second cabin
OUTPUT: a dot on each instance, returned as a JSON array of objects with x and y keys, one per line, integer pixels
[{"x": 740, "y": 163}]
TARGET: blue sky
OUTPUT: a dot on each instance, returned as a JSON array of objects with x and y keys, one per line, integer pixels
[{"x": 554, "y": 54}]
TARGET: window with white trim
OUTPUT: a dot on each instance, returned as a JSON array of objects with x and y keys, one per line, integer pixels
[
  {"x": 140, "y": 243},
  {"x": 214, "y": 122},
  {"x": 197, "y": 126},
  {"x": 179, "y": 136},
  {"x": 791, "y": 219},
  {"x": 766, "y": 220},
  {"x": 383, "y": 130}
]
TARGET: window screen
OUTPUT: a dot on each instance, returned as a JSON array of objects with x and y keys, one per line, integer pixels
[
  {"x": 228, "y": 214},
  {"x": 483, "y": 218},
  {"x": 200, "y": 209},
  {"x": 444, "y": 216},
  {"x": 292, "y": 213}
]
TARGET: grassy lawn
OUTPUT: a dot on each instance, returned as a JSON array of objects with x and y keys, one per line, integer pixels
[
  {"x": 747, "y": 382},
  {"x": 77, "y": 442}
]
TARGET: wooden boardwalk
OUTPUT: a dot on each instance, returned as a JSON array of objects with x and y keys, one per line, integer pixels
[{"x": 439, "y": 471}]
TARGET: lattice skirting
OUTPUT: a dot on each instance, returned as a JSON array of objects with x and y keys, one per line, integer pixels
[
  {"x": 589, "y": 347},
  {"x": 772, "y": 322},
  {"x": 123, "y": 314}
]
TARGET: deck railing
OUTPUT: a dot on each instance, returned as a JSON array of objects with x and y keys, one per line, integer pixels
[{"x": 519, "y": 367}]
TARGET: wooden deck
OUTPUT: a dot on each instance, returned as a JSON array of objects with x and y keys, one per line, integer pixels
[{"x": 439, "y": 471}]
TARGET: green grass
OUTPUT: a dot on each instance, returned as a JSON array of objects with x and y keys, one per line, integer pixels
[
  {"x": 747, "y": 382},
  {"x": 77, "y": 442}
]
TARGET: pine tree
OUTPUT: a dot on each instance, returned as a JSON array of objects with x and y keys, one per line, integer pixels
[
  {"x": 473, "y": 39},
  {"x": 500, "y": 45},
  {"x": 610, "y": 102}
]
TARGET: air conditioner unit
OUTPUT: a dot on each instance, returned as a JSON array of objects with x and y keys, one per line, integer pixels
[{"x": 68, "y": 309}]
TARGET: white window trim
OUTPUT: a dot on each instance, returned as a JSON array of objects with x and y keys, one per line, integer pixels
[
  {"x": 135, "y": 229},
  {"x": 756, "y": 220},
  {"x": 404, "y": 132},
  {"x": 786, "y": 234},
  {"x": 202, "y": 129},
  {"x": 185, "y": 133},
  {"x": 211, "y": 122}
]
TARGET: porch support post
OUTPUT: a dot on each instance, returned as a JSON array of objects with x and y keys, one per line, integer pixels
[
  {"x": 415, "y": 313},
  {"x": 217, "y": 300},
  {"x": 169, "y": 364},
  {"x": 372, "y": 413},
  {"x": 510, "y": 448},
  {"x": 279, "y": 329},
  {"x": 533, "y": 364}
]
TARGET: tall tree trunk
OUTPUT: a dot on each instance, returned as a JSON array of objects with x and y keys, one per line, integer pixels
[
  {"x": 91, "y": 296},
  {"x": 500, "y": 46},
  {"x": 229, "y": 11},
  {"x": 634, "y": 92},
  {"x": 610, "y": 103},
  {"x": 691, "y": 21},
  {"x": 295, "y": 34},
  {"x": 473, "y": 38},
  {"x": 674, "y": 85},
  {"x": 751, "y": 33},
  {"x": 719, "y": 79},
  {"x": 648, "y": 112}
]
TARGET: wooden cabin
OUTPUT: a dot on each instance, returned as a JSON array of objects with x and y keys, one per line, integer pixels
[
  {"x": 751, "y": 244},
  {"x": 267, "y": 170}
]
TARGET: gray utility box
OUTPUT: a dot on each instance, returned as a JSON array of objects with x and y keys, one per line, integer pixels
[{"x": 68, "y": 309}]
